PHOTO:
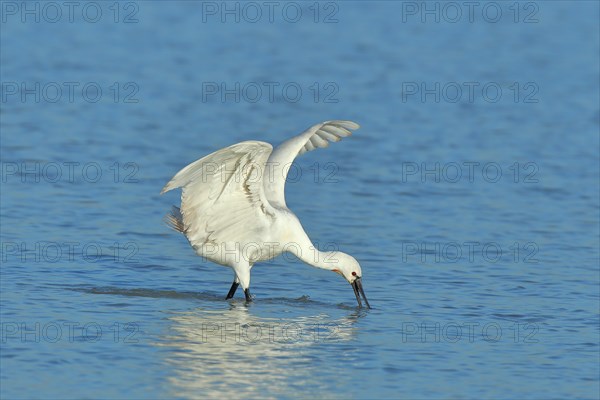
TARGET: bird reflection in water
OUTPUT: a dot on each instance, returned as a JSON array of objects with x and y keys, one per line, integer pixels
[{"x": 236, "y": 353}]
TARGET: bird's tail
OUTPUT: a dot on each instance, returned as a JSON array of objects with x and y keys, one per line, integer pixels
[{"x": 174, "y": 220}]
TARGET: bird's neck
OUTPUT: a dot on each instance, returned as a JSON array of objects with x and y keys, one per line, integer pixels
[
  {"x": 302, "y": 247},
  {"x": 328, "y": 260}
]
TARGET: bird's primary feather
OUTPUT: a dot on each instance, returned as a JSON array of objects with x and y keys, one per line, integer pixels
[{"x": 278, "y": 164}]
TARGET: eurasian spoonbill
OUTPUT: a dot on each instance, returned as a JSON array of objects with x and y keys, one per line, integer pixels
[{"x": 233, "y": 209}]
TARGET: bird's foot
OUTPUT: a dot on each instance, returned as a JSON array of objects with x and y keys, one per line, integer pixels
[{"x": 248, "y": 295}]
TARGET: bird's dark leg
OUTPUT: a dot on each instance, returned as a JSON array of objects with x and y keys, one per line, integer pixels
[
  {"x": 234, "y": 287},
  {"x": 248, "y": 296}
]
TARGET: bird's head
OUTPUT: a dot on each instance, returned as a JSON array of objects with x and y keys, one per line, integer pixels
[{"x": 349, "y": 268}]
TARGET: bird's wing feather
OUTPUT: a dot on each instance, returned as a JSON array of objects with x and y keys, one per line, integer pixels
[
  {"x": 223, "y": 198},
  {"x": 278, "y": 164}
]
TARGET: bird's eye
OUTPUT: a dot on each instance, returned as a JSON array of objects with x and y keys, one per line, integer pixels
[{"x": 353, "y": 273}]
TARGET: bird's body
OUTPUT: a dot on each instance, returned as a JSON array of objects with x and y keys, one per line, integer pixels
[{"x": 233, "y": 209}]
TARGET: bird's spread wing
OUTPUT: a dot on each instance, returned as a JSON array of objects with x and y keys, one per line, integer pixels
[
  {"x": 222, "y": 196},
  {"x": 280, "y": 160}
]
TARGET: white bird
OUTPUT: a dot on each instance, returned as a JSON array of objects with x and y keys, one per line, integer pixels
[{"x": 233, "y": 209}]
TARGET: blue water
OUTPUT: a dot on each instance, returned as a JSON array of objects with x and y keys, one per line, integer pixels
[{"x": 482, "y": 285}]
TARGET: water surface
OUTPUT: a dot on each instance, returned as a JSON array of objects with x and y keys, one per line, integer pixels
[{"x": 482, "y": 285}]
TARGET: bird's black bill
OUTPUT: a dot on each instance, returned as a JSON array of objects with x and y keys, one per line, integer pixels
[{"x": 358, "y": 291}]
